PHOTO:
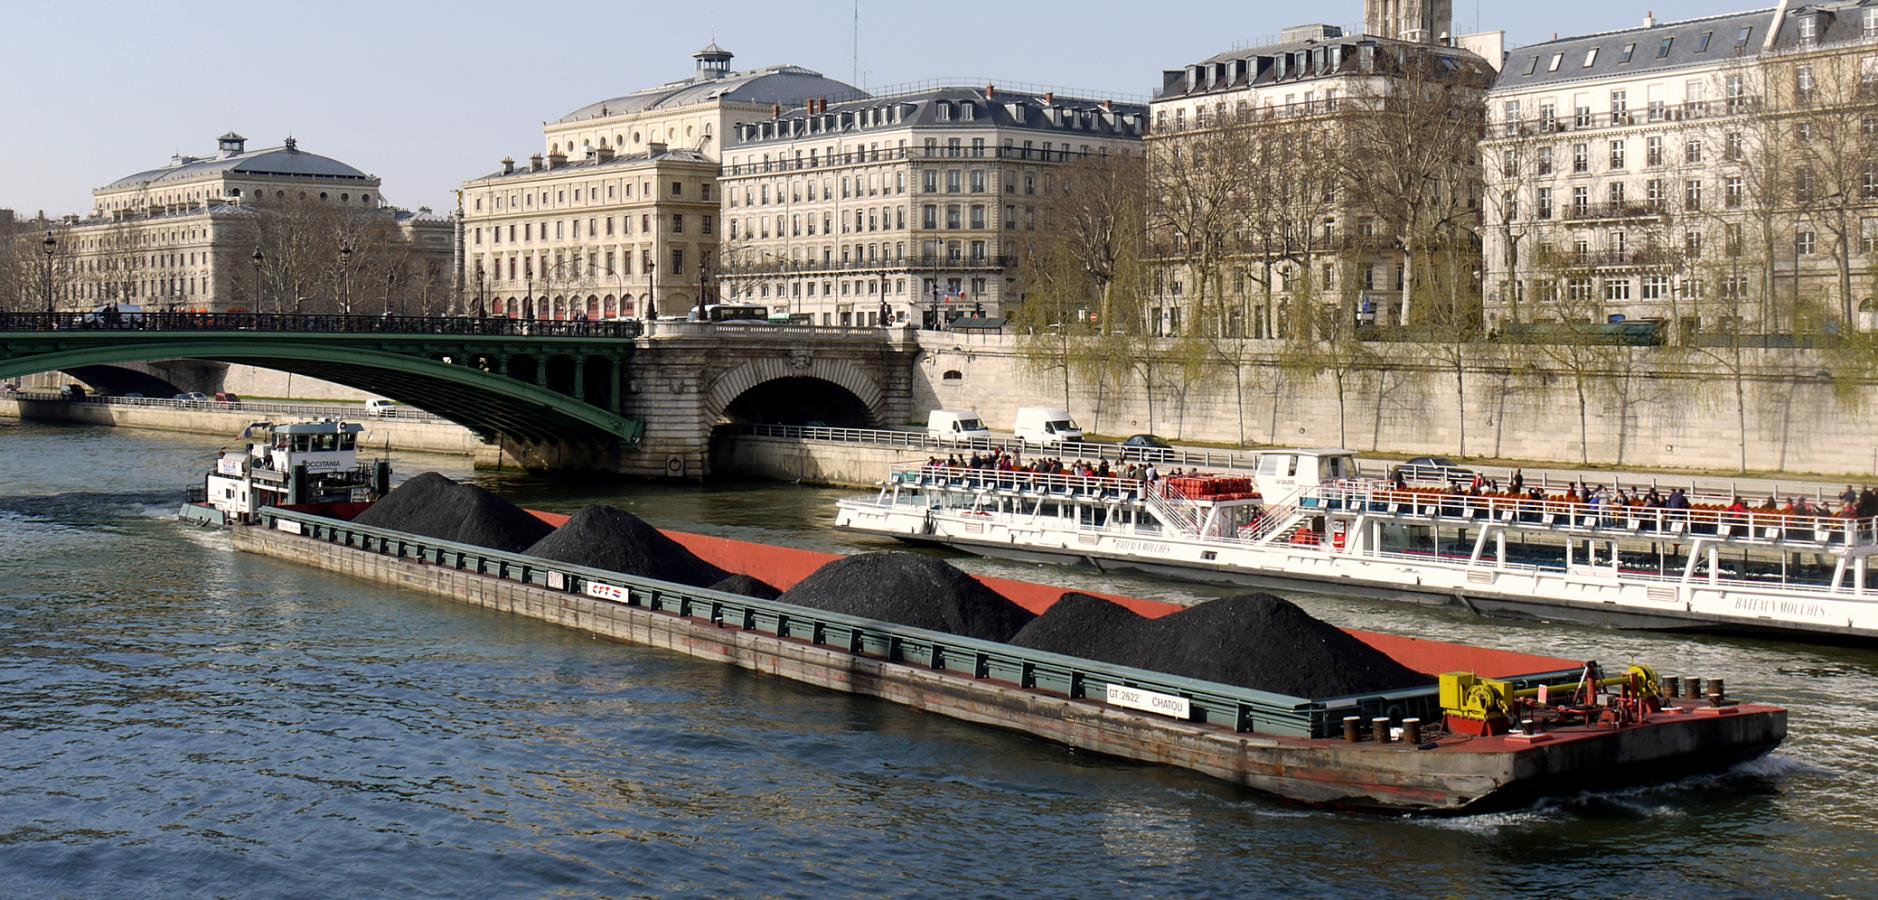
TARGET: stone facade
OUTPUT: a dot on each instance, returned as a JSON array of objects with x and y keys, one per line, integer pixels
[
  {"x": 901, "y": 205},
  {"x": 620, "y": 217},
  {"x": 182, "y": 236},
  {"x": 1713, "y": 173}
]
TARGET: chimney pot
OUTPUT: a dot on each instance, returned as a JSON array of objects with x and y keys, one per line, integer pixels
[
  {"x": 991, "y": 92},
  {"x": 1049, "y": 98},
  {"x": 1649, "y": 19},
  {"x": 508, "y": 165},
  {"x": 776, "y": 111},
  {"x": 1108, "y": 105},
  {"x": 534, "y": 163}
]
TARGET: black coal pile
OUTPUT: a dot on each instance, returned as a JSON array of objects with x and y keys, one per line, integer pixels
[
  {"x": 434, "y": 506},
  {"x": 745, "y": 586},
  {"x": 1255, "y": 641},
  {"x": 909, "y": 589},
  {"x": 606, "y": 537}
]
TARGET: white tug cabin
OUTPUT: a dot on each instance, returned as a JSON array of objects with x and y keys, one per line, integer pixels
[
  {"x": 285, "y": 465},
  {"x": 1308, "y": 520}
]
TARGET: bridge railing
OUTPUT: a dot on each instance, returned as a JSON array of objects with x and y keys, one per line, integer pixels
[
  {"x": 299, "y": 324},
  {"x": 920, "y": 440},
  {"x": 249, "y": 408}
]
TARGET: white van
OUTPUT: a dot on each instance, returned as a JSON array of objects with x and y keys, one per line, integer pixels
[
  {"x": 379, "y": 407},
  {"x": 1046, "y": 426},
  {"x": 956, "y": 426}
]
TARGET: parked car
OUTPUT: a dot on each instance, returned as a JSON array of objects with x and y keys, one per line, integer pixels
[
  {"x": 1148, "y": 447},
  {"x": 1433, "y": 468},
  {"x": 379, "y": 407},
  {"x": 192, "y": 398},
  {"x": 72, "y": 392},
  {"x": 228, "y": 398},
  {"x": 134, "y": 395}
]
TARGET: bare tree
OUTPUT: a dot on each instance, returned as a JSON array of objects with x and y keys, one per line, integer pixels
[{"x": 1409, "y": 153}]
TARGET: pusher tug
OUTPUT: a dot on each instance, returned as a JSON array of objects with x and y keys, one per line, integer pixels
[{"x": 282, "y": 465}]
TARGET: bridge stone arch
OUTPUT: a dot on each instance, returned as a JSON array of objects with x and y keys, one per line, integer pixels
[{"x": 750, "y": 375}]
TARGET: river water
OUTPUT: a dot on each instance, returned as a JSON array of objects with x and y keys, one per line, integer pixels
[{"x": 178, "y": 719}]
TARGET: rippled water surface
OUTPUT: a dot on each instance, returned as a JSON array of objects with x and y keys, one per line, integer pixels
[{"x": 177, "y": 719}]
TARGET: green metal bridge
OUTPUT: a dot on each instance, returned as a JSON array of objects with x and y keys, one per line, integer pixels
[{"x": 534, "y": 382}]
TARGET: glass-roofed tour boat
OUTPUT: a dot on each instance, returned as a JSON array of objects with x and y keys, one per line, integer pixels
[{"x": 1307, "y": 520}]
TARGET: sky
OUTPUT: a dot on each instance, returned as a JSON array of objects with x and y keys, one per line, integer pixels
[{"x": 426, "y": 94}]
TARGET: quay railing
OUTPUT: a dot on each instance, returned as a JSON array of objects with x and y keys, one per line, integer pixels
[
  {"x": 1231, "y": 708},
  {"x": 349, "y": 413}
]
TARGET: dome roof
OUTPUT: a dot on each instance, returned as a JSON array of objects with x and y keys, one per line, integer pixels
[
  {"x": 285, "y": 161},
  {"x": 787, "y": 85}
]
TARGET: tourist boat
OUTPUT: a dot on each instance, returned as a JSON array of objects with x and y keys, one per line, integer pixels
[
  {"x": 281, "y": 465},
  {"x": 1306, "y": 520}
]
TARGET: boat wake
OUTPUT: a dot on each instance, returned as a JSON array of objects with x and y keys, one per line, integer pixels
[{"x": 1665, "y": 800}]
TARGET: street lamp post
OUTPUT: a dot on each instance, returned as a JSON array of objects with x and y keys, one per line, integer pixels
[
  {"x": 258, "y": 258},
  {"x": 652, "y": 299},
  {"x": 345, "y": 278},
  {"x": 704, "y": 266},
  {"x": 480, "y": 309},
  {"x": 52, "y": 246}
]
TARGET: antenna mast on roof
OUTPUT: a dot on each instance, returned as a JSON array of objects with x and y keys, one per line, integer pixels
[{"x": 855, "y": 75}]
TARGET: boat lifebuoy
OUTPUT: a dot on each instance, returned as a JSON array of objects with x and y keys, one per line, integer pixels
[{"x": 1337, "y": 527}]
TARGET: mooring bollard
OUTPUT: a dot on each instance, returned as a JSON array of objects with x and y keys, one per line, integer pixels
[
  {"x": 1379, "y": 729},
  {"x": 1672, "y": 687},
  {"x": 1352, "y": 728},
  {"x": 1715, "y": 692},
  {"x": 1411, "y": 731}
]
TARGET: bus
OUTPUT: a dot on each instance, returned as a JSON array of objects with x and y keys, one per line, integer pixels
[{"x": 731, "y": 312}]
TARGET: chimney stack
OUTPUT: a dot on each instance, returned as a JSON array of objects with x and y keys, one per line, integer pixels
[
  {"x": 1108, "y": 105},
  {"x": 534, "y": 163},
  {"x": 656, "y": 148},
  {"x": 1649, "y": 19},
  {"x": 603, "y": 153},
  {"x": 557, "y": 160},
  {"x": 776, "y": 111},
  {"x": 1049, "y": 98},
  {"x": 991, "y": 92},
  {"x": 508, "y": 165}
]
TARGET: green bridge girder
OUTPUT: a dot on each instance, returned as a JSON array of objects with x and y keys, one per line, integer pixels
[{"x": 539, "y": 390}]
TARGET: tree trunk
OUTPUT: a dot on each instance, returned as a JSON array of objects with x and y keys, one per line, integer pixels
[
  {"x": 1741, "y": 413},
  {"x": 1460, "y": 395},
  {"x": 1584, "y": 422},
  {"x": 1342, "y": 438}
]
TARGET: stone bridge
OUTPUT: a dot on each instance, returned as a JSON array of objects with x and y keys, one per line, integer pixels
[{"x": 611, "y": 397}]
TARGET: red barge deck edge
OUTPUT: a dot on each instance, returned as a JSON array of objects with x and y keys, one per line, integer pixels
[{"x": 1452, "y": 774}]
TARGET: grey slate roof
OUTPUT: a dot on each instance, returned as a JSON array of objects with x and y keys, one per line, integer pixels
[
  {"x": 924, "y": 108},
  {"x": 787, "y": 85},
  {"x": 293, "y": 163},
  {"x": 1531, "y": 66},
  {"x": 594, "y": 164},
  {"x": 1843, "y": 23},
  {"x": 1329, "y": 56}
]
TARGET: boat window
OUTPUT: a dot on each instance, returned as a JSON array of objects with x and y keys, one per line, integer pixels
[
  {"x": 299, "y": 443},
  {"x": 325, "y": 443},
  {"x": 348, "y": 441},
  {"x": 1292, "y": 470},
  {"x": 1269, "y": 464}
]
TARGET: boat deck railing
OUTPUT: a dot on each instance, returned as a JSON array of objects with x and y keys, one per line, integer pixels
[
  {"x": 1066, "y": 487},
  {"x": 1226, "y": 706},
  {"x": 1704, "y": 518}
]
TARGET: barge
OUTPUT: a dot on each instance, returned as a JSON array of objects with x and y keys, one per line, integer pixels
[
  {"x": 283, "y": 465},
  {"x": 1306, "y": 521},
  {"x": 1497, "y": 730}
]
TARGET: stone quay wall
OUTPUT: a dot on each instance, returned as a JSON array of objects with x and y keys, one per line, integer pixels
[{"x": 1646, "y": 407}]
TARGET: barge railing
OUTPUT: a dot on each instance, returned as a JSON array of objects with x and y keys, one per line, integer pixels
[{"x": 1237, "y": 709}]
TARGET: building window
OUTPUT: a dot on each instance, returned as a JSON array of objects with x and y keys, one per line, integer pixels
[
  {"x": 1653, "y": 151},
  {"x": 678, "y": 261},
  {"x": 1692, "y": 153},
  {"x": 1655, "y": 287},
  {"x": 1692, "y": 195},
  {"x": 1732, "y": 146},
  {"x": 678, "y": 189},
  {"x": 1617, "y": 154},
  {"x": 1736, "y": 192},
  {"x": 706, "y": 225},
  {"x": 1545, "y": 203},
  {"x": 1545, "y": 160},
  {"x": 1581, "y": 158},
  {"x": 678, "y": 223},
  {"x": 1616, "y": 289},
  {"x": 1807, "y": 244}
]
